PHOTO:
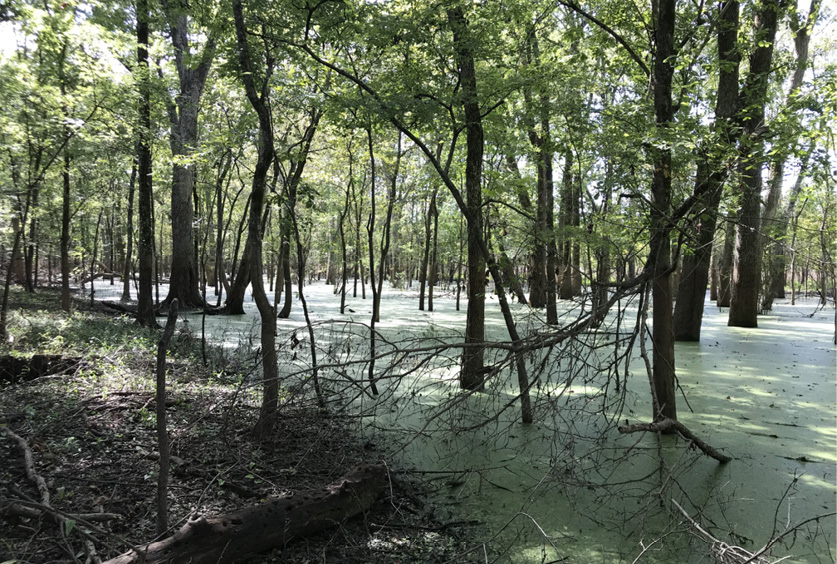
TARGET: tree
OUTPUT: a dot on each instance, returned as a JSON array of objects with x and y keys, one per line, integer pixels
[
  {"x": 660, "y": 247},
  {"x": 709, "y": 181},
  {"x": 258, "y": 96},
  {"x": 183, "y": 116},
  {"x": 145, "y": 250},
  {"x": 746, "y": 275}
]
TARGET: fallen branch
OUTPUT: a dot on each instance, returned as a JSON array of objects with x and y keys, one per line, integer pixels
[
  {"x": 234, "y": 536},
  {"x": 29, "y": 465},
  {"x": 667, "y": 424},
  {"x": 16, "y": 508},
  {"x": 721, "y": 551},
  {"x": 65, "y": 521}
]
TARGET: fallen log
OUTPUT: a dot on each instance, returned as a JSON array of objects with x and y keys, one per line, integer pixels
[{"x": 235, "y": 536}]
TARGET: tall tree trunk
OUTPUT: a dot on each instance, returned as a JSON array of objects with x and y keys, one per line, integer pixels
[
  {"x": 543, "y": 291},
  {"x": 660, "y": 247},
  {"x": 291, "y": 185},
  {"x": 145, "y": 243},
  {"x": 471, "y": 376},
  {"x": 259, "y": 101},
  {"x": 691, "y": 292},
  {"x": 422, "y": 277},
  {"x": 776, "y": 228},
  {"x": 370, "y": 232},
  {"x": 746, "y": 275},
  {"x": 344, "y": 274},
  {"x": 431, "y": 283},
  {"x": 183, "y": 115}
]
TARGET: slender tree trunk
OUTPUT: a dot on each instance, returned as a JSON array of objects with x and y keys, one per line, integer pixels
[
  {"x": 422, "y": 277},
  {"x": 434, "y": 212},
  {"x": 472, "y": 374},
  {"x": 259, "y": 101},
  {"x": 145, "y": 305},
  {"x": 725, "y": 265},
  {"x": 162, "y": 427},
  {"x": 93, "y": 259},
  {"x": 344, "y": 275},
  {"x": 713, "y": 279},
  {"x": 65, "y": 233},
  {"x": 4, "y": 307},
  {"x": 370, "y": 231}
]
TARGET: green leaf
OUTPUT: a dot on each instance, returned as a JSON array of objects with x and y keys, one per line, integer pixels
[{"x": 68, "y": 526}]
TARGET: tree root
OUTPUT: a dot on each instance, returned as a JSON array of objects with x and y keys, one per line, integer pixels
[{"x": 668, "y": 424}]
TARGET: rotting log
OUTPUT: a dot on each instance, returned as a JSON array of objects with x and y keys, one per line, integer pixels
[
  {"x": 667, "y": 424},
  {"x": 234, "y": 536}
]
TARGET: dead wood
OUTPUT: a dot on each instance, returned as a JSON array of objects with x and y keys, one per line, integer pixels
[
  {"x": 61, "y": 518},
  {"x": 234, "y": 536},
  {"x": 668, "y": 424},
  {"x": 16, "y": 508}
]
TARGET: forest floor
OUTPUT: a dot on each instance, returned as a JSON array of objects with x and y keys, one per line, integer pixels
[{"x": 89, "y": 421}]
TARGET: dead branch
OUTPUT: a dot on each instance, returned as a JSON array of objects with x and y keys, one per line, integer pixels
[
  {"x": 16, "y": 508},
  {"x": 722, "y": 552},
  {"x": 668, "y": 424}
]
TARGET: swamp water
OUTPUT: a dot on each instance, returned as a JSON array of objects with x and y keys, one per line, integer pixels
[{"x": 570, "y": 488}]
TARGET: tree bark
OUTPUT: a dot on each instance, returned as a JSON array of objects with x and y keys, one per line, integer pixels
[
  {"x": 258, "y": 100},
  {"x": 235, "y": 536},
  {"x": 709, "y": 179},
  {"x": 162, "y": 429},
  {"x": 660, "y": 251},
  {"x": 183, "y": 115},
  {"x": 129, "y": 236},
  {"x": 471, "y": 376},
  {"x": 145, "y": 305},
  {"x": 746, "y": 274}
]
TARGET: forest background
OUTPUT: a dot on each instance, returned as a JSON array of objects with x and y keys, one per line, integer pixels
[{"x": 555, "y": 152}]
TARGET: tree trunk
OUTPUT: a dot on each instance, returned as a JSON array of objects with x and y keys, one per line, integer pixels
[
  {"x": 344, "y": 274},
  {"x": 434, "y": 212},
  {"x": 713, "y": 271},
  {"x": 127, "y": 271},
  {"x": 660, "y": 247},
  {"x": 725, "y": 264},
  {"x": 162, "y": 428},
  {"x": 746, "y": 276},
  {"x": 183, "y": 115},
  {"x": 776, "y": 228},
  {"x": 267, "y": 314},
  {"x": 145, "y": 243},
  {"x": 471, "y": 376},
  {"x": 422, "y": 277},
  {"x": 234, "y": 536},
  {"x": 691, "y": 293}
]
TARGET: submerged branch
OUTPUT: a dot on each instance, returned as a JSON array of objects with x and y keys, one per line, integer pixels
[{"x": 669, "y": 424}]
